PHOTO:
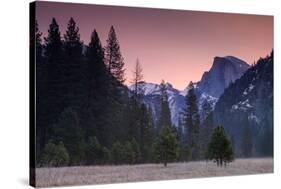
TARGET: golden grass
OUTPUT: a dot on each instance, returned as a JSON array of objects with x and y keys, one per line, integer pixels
[{"x": 147, "y": 172}]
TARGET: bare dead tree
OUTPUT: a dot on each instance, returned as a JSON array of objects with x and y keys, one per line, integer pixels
[{"x": 137, "y": 78}]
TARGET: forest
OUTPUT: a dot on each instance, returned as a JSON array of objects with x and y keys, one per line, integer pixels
[{"x": 86, "y": 115}]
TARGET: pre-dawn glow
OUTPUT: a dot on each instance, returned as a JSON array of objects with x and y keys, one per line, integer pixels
[{"x": 177, "y": 46}]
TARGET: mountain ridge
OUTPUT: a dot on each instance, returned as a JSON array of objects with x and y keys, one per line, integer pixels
[{"x": 176, "y": 98}]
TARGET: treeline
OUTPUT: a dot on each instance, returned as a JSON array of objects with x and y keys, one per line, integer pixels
[{"x": 85, "y": 115}]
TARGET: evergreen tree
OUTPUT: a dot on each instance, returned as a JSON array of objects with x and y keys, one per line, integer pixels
[
  {"x": 113, "y": 57},
  {"x": 74, "y": 67},
  {"x": 129, "y": 154},
  {"x": 207, "y": 128},
  {"x": 118, "y": 99},
  {"x": 95, "y": 152},
  {"x": 166, "y": 146},
  {"x": 165, "y": 114},
  {"x": 38, "y": 44},
  {"x": 98, "y": 85},
  {"x": 55, "y": 155},
  {"x": 146, "y": 133},
  {"x": 219, "y": 148},
  {"x": 53, "y": 101},
  {"x": 98, "y": 76},
  {"x": 40, "y": 90},
  {"x": 68, "y": 131},
  {"x": 184, "y": 151},
  {"x": 192, "y": 122},
  {"x": 247, "y": 139},
  {"x": 265, "y": 144},
  {"x": 117, "y": 153},
  {"x": 136, "y": 149}
]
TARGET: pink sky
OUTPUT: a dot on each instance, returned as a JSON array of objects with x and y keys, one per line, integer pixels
[{"x": 177, "y": 46}]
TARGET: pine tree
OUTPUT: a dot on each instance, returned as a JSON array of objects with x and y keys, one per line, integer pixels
[
  {"x": 40, "y": 90},
  {"x": 53, "y": 54},
  {"x": 95, "y": 153},
  {"x": 207, "y": 127},
  {"x": 166, "y": 147},
  {"x": 38, "y": 44},
  {"x": 98, "y": 85},
  {"x": 113, "y": 57},
  {"x": 146, "y": 133},
  {"x": 136, "y": 149},
  {"x": 53, "y": 44},
  {"x": 53, "y": 93},
  {"x": 219, "y": 148},
  {"x": 129, "y": 156},
  {"x": 247, "y": 139},
  {"x": 117, "y": 153},
  {"x": 192, "y": 122},
  {"x": 266, "y": 140},
  {"x": 55, "y": 155},
  {"x": 98, "y": 76},
  {"x": 118, "y": 99},
  {"x": 165, "y": 114},
  {"x": 68, "y": 131},
  {"x": 137, "y": 78},
  {"x": 74, "y": 67}
]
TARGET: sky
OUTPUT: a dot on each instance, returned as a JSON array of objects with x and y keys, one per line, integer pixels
[{"x": 175, "y": 45}]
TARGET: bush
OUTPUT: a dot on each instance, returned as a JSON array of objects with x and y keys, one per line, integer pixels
[{"x": 55, "y": 155}]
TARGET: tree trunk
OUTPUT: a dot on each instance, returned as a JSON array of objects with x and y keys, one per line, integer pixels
[
  {"x": 221, "y": 162},
  {"x": 165, "y": 164}
]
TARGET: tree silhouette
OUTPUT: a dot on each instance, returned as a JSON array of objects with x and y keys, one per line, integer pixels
[{"x": 113, "y": 57}]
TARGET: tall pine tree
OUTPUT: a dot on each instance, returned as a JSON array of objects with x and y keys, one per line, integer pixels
[
  {"x": 192, "y": 122},
  {"x": 113, "y": 57},
  {"x": 98, "y": 85},
  {"x": 207, "y": 128},
  {"x": 40, "y": 90},
  {"x": 246, "y": 139},
  {"x": 165, "y": 114},
  {"x": 118, "y": 92},
  {"x": 74, "y": 67},
  {"x": 54, "y": 71},
  {"x": 166, "y": 147}
]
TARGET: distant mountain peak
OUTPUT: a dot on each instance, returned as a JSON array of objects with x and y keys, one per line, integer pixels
[{"x": 223, "y": 71}]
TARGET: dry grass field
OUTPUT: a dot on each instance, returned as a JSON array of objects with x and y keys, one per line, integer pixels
[{"x": 146, "y": 172}]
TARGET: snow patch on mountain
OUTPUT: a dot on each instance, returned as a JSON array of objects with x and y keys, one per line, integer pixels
[{"x": 176, "y": 99}]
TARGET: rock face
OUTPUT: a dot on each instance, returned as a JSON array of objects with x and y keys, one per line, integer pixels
[
  {"x": 223, "y": 71},
  {"x": 249, "y": 101}
]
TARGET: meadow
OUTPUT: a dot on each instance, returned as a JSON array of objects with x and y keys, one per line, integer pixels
[{"x": 81, "y": 175}]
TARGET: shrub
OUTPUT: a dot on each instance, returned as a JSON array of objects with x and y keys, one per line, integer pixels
[{"x": 55, "y": 155}]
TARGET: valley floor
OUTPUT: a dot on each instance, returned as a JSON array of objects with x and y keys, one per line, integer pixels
[{"x": 147, "y": 172}]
